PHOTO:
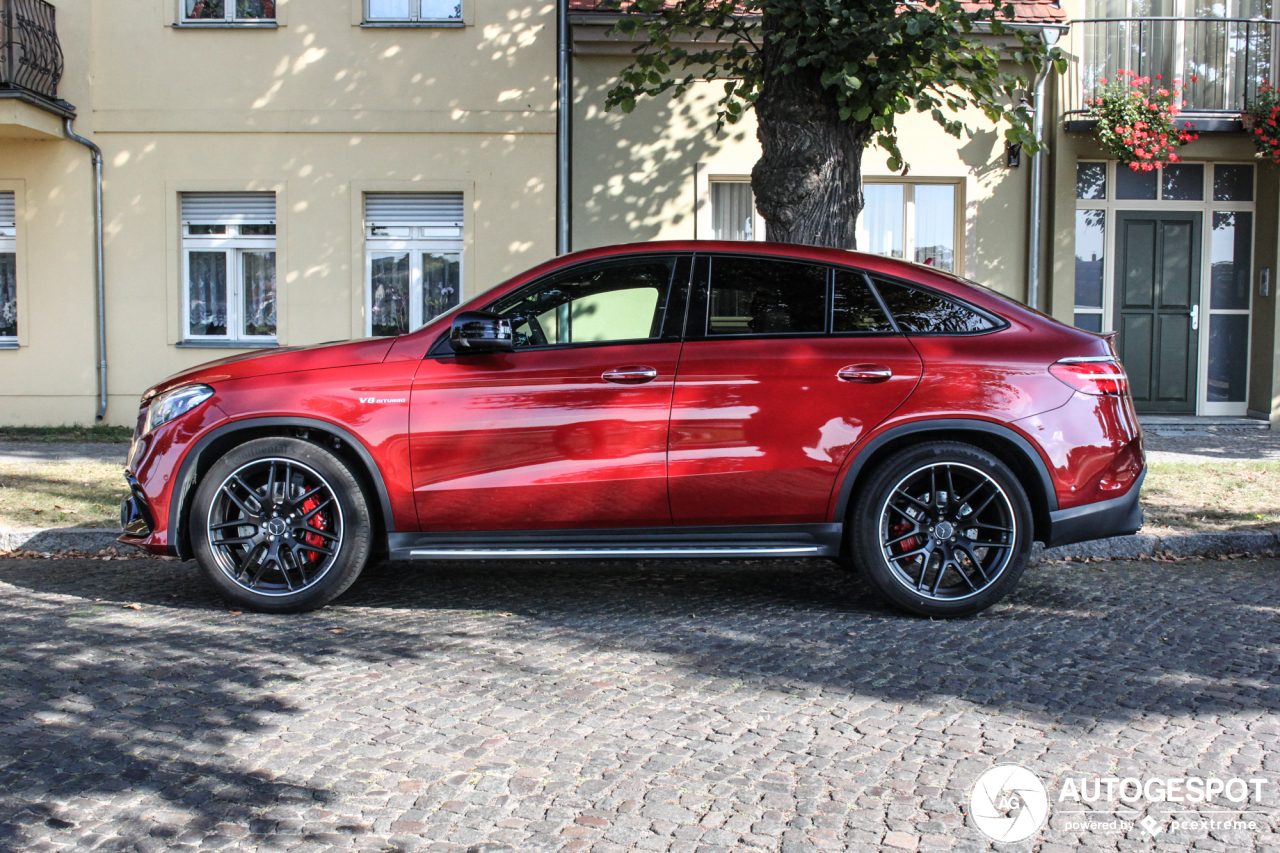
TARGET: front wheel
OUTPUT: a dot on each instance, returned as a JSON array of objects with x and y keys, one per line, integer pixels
[
  {"x": 280, "y": 525},
  {"x": 942, "y": 529}
]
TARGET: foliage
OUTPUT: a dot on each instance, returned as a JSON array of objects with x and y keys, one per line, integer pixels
[
  {"x": 879, "y": 58},
  {"x": 1138, "y": 124},
  {"x": 1260, "y": 118}
]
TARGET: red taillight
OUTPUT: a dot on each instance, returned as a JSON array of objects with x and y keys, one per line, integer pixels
[{"x": 1092, "y": 375}]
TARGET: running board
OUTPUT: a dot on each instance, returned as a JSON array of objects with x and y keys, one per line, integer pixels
[{"x": 779, "y": 541}]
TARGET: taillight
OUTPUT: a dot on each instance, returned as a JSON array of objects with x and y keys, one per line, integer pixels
[{"x": 1093, "y": 375}]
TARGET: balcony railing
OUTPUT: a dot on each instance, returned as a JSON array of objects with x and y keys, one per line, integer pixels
[
  {"x": 1220, "y": 62},
  {"x": 30, "y": 55}
]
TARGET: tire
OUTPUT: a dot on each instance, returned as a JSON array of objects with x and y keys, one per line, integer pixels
[
  {"x": 303, "y": 533},
  {"x": 942, "y": 529}
]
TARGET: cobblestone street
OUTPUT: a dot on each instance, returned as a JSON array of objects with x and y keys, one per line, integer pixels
[{"x": 610, "y": 707}]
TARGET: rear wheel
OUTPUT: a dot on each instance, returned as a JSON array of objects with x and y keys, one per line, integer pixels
[
  {"x": 942, "y": 529},
  {"x": 280, "y": 525}
]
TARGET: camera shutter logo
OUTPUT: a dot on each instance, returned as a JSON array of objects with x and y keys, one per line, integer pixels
[{"x": 1009, "y": 803}]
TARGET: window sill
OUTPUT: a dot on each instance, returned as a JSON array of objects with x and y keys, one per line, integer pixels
[
  {"x": 8, "y": 344},
  {"x": 227, "y": 25},
  {"x": 414, "y": 24},
  {"x": 199, "y": 344}
]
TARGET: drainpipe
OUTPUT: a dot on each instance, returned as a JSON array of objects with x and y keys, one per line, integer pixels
[
  {"x": 564, "y": 92},
  {"x": 1037, "y": 191},
  {"x": 96, "y": 153}
]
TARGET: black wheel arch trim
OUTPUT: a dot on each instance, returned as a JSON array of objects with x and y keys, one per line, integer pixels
[
  {"x": 185, "y": 480},
  {"x": 947, "y": 425}
]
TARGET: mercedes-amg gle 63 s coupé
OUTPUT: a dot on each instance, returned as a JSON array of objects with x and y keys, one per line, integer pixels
[{"x": 694, "y": 399}]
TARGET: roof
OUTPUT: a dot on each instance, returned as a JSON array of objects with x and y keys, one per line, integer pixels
[{"x": 1028, "y": 11}]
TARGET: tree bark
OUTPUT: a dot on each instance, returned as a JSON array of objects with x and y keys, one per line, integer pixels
[{"x": 808, "y": 181}]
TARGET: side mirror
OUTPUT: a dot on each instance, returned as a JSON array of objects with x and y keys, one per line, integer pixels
[{"x": 476, "y": 332}]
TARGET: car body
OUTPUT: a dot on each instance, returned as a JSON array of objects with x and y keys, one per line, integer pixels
[{"x": 742, "y": 411}]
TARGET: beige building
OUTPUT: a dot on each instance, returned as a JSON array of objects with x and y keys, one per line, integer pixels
[{"x": 284, "y": 173}]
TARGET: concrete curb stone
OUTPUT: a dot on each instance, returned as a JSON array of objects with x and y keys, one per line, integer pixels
[{"x": 88, "y": 540}]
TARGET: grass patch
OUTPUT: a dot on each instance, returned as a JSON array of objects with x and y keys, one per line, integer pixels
[
  {"x": 75, "y": 434},
  {"x": 1185, "y": 497},
  {"x": 61, "y": 494}
]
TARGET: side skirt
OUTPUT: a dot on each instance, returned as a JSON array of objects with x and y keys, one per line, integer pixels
[{"x": 782, "y": 540}]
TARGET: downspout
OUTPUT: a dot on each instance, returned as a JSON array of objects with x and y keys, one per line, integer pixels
[
  {"x": 1037, "y": 191},
  {"x": 96, "y": 153},
  {"x": 564, "y": 93}
]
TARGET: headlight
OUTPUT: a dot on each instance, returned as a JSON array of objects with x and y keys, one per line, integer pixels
[{"x": 169, "y": 405}]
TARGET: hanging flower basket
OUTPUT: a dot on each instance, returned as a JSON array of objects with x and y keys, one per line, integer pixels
[
  {"x": 1137, "y": 124},
  {"x": 1260, "y": 119}
]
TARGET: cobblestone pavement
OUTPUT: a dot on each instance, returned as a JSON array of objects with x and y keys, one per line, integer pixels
[
  {"x": 1211, "y": 445},
  {"x": 610, "y": 707}
]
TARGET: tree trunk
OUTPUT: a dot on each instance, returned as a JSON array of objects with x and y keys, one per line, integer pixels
[{"x": 808, "y": 182}]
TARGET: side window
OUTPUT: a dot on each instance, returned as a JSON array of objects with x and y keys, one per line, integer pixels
[
  {"x": 615, "y": 301},
  {"x": 855, "y": 308},
  {"x": 8, "y": 271},
  {"x": 924, "y": 311},
  {"x": 755, "y": 296}
]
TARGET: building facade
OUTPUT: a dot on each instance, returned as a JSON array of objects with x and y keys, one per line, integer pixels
[{"x": 279, "y": 174}]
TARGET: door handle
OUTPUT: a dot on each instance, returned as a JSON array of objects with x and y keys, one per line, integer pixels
[
  {"x": 630, "y": 375},
  {"x": 1195, "y": 317},
  {"x": 864, "y": 373}
]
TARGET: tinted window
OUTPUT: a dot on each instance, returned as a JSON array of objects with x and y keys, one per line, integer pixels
[
  {"x": 752, "y": 296},
  {"x": 854, "y": 307},
  {"x": 924, "y": 311},
  {"x": 617, "y": 301}
]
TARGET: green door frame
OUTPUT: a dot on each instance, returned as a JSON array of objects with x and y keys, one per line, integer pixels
[{"x": 1157, "y": 294}]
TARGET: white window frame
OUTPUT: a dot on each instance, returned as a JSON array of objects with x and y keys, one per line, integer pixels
[
  {"x": 1206, "y": 207},
  {"x": 415, "y": 16},
  {"x": 9, "y": 246},
  {"x": 720, "y": 172},
  {"x": 909, "y": 215},
  {"x": 234, "y": 245},
  {"x": 415, "y": 240},
  {"x": 228, "y": 18}
]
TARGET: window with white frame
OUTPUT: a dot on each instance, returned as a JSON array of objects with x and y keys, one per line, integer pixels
[
  {"x": 228, "y": 11},
  {"x": 413, "y": 11},
  {"x": 413, "y": 259},
  {"x": 229, "y": 267},
  {"x": 913, "y": 220},
  {"x": 8, "y": 270},
  {"x": 733, "y": 210}
]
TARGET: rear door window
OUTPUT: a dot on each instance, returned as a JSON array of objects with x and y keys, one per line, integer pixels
[
  {"x": 926, "y": 312},
  {"x": 854, "y": 308},
  {"x": 762, "y": 297}
]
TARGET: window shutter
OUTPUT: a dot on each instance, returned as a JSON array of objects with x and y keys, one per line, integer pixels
[
  {"x": 8, "y": 213},
  {"x": 426, "y": 209},
  {"x": 228, "y": 207}
]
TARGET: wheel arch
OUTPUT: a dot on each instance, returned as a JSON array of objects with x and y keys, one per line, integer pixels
[
  {"x": 218, "y": 442},
  {"x": 1001, "y": 441}
]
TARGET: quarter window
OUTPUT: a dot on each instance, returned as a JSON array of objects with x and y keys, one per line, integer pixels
[
  {"x": 8, "y": 271},
  {"x": 413, "y": 11},
  {"x": 751, "y": 296},
  {"x": 601, "y": 303},
  {"x": 926, "y": 312},
  {"x": 229, "y": 267},
  {"x": 228, "y": 11},
  {"x": 413, "y": 259}
]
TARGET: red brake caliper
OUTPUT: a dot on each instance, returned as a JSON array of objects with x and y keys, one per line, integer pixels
[
  {"x": 906, "y": 544},
  {"x": 320, "y": 521}
]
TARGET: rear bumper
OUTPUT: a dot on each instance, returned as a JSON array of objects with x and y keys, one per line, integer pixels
[{"x": 1115, "y": 517}]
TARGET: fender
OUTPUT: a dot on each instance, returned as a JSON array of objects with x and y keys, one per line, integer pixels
[
  {"x": 951, "y": 425},
  {"x": 186, "y": 471}
]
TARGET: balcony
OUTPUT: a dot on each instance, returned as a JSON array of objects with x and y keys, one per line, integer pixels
[
  {"x": 30, "y": 70},
  {"x": 1220, "y": 61}
]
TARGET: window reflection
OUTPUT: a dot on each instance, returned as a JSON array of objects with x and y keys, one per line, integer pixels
[
  {"x": 922, "y": 311},
  {"x": 1091, "y": 180},
  {"x": 1229, "y": 260}
]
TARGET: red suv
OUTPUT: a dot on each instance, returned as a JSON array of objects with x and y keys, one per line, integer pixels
[{"x": 655, "y": 400}]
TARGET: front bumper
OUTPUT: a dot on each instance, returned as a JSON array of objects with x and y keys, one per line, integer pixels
[
  {"x": 136, "y": 520},
  {"x": 1115, "y": 517}
]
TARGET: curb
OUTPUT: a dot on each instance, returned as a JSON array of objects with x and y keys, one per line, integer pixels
[{"x": 88, "y": 540}]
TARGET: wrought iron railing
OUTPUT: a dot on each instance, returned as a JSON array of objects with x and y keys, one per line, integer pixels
[
  {"x": 30, "y": 55},
  {"x": 1220, "y": 62}
]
